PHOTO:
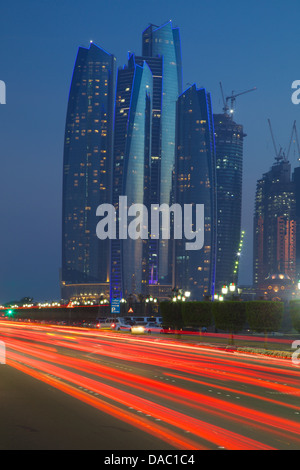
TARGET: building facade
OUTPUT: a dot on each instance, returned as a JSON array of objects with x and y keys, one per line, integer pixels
[
  {"x": 229, "y": 137},
  {"x": 87, "y": 173},
  {"x": 161, "y": 48},
  {"x": 195, "y": 177},
  {"x": 274, "y": 250},
  {"x": 131, "y": 176},
  {"x": 296, "y": 179},
  {"x": 156, "y": 66}
]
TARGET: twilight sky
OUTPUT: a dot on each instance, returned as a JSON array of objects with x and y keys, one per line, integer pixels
[{"x": 242, "y": 44}]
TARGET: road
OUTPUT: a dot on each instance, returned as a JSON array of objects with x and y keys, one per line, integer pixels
[{"x": 70, "y": 388}]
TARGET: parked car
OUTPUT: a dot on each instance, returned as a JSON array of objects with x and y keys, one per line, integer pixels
[
  {"x": 142, "y": 328},
  {"x": 125, "y": 326},
  {"x": 113, "y": 323}
]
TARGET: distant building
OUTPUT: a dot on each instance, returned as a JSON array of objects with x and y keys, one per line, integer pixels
[
  {"x": 87, "y": 173},
  {"x": 296, "y": 179},
  {"x": 279, "y": 287},
  {"x": 229, "y": 139},
  {"x": 274, "y": 240},
  {"x": 195, "y": 179}
]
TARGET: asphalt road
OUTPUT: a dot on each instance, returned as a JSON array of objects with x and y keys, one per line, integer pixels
[
  {"x": 36, "y": 416},
  {"x": 66, "y": 388}
]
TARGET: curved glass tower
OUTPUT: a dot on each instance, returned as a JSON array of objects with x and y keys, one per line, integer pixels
[
  {"x": 136, "y": 181},
  {"x": 196, "y": 184},
  {"x": 164, "y": 42},
  {"x": 87, "y": 172},
  {"x": 131, "y": 176}
]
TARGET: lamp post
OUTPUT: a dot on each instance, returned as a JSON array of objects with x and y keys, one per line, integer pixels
[
  {"x": 232, "y": 287},
  {"x": 123, "y": 307},
  {"x": 150, "y": 307},
  {"x": 224, "y": 290}
]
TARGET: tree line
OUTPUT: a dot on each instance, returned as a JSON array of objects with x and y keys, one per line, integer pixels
[{"x": 230, "y": 316}]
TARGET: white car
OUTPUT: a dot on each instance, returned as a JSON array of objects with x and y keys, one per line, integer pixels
[
  {"x": 142, "y": 328},
  {"x": 125, "y": 326},
  {"x": 112, "y": 323}
]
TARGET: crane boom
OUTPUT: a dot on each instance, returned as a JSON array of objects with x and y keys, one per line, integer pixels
[
  {"x": 225, "y": 109},
  {"x": 239, "y": 94},
  {"x": 232, "y": 98},
  {"x": 294, "y": 131},
  {"x": 274, "y": 144}
]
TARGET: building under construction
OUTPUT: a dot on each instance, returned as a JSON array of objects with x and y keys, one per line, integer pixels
[
  {"x": 229, "y": 139},
  {"x": 276, "y": 217}
]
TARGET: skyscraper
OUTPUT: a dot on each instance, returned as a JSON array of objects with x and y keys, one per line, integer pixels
[
  {"x": 195, "y": 177},
  {"x": 274, "y": 249},
  {"x": 87, "y": 172},
  {"x": 162, "y": 51},
  {"x": 229, "y": 137},
  {"x": 131, "y": 174},
  {"x": 156, "y": 66}
]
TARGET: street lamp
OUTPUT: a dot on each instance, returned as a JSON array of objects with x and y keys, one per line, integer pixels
[{"x": 224, "y": 290}]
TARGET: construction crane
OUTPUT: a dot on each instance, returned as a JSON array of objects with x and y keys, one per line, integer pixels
[
  {"x": 280, "y": 154},
  {"x": 232, "y": 99},
  {"x": 294, "y": 131}
]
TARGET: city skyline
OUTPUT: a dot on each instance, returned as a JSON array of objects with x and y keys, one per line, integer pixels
[
  {"x": 197, "y": 159},
  {"x": 25, "y": 273}
]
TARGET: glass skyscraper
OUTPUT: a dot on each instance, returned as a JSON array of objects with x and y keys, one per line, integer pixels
[
  {"x": 155, "y": 150},
  {"x": 120, "y": 148},
  {"x": 87, "y": 172},
  {"x": 155, "y": 64},
  {"x": 195, "y": 178},
  {"x": 162, "y": 51},
  {"x": 131, "y": 175},
  {"x": 229, "y": 137}
]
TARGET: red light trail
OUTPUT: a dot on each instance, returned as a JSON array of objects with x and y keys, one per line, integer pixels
[{"x": 186, "y": 395}]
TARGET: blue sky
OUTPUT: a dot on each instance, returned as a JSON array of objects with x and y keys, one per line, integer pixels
[{"x": 242, "y": 44}]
